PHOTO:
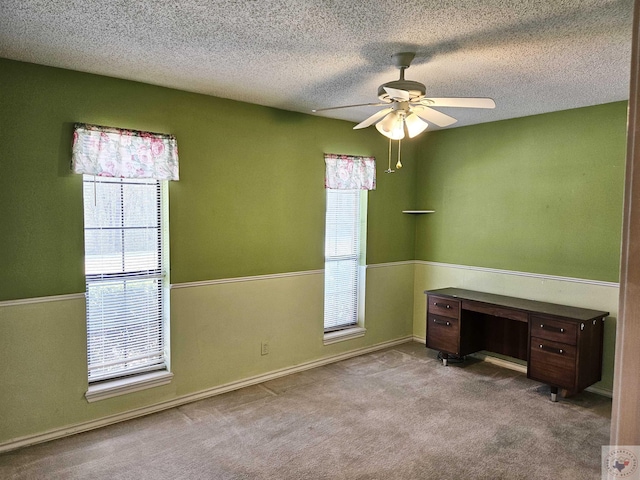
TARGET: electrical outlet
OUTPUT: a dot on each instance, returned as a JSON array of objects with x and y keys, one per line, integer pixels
[{"x": 265, "y": 348}]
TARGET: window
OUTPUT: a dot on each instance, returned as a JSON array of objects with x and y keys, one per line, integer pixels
[
  {"x": 344, "y": 258},
  {"x": 126, "y": 276}
]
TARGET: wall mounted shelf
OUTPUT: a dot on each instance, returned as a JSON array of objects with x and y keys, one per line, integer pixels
[{"x": 418, "y": 211}]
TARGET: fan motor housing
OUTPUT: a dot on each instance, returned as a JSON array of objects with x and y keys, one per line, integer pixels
[{"x": 416, "y": 89}]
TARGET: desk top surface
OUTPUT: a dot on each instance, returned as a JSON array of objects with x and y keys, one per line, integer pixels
[{"x": 581, "y": 314}]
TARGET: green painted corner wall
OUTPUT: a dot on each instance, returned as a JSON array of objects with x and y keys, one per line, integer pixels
[
  {"x": 250, "y": 199},
  {"x": 539, "y": 194}
]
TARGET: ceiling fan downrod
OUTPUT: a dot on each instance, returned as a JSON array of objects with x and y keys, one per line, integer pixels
[{"x": 416, "y": 90}]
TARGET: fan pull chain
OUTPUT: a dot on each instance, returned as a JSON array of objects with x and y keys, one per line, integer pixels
[
  {"x": 388, "y": 170},
  {"x": 399, "y": 165}
]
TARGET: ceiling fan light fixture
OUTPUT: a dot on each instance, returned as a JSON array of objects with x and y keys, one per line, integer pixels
[
  {"x": 392, "y": 126},
  {"x": 415, "y": 125},
  {"x": 395, "y": 134}
]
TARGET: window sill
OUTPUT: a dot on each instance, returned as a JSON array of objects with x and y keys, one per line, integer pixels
[
  {"x": 122, "y": 386},
  {"x": 342, "y": 335}
]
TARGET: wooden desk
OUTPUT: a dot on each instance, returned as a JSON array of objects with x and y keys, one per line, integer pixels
[{"x": 562, "y": 345}]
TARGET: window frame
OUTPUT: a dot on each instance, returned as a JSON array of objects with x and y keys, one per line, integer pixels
[
  {"x": 126, "y": 382},
  {"x": 337, "y": 333}
]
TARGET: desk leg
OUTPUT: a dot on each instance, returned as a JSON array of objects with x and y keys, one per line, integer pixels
[
  {"x": 554, "y": 394},
  {"x": 445, "y": 359}
]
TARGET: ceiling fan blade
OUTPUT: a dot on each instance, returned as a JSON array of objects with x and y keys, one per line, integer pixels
[
  {"x": 415, "y": 125},
  {"x": 396, "y": 94},
  {"x": 465, "y": 102},
  {"x": 373, "y": 118},
  {"x": 350, "y": 106},
  {"x": 433, "y": 116}
]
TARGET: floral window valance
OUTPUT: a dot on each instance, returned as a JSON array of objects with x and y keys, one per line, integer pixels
[
  {"x": 115, "y": 152},
  {"x": 345, "y": 172}
]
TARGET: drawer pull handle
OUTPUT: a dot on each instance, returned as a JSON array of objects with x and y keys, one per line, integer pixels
[
  {"x": 553, "y": 329},
  {"x": 446, "y": 305},
  {"x": 559, "y": 351},
  {"x": 440, "y": 322}
]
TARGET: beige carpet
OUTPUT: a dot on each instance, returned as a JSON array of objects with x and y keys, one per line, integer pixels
[{"x": 393, "y": 414}]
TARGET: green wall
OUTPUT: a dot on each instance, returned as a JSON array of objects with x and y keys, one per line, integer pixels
[
  {"x": 539, "y": 194},
  {"x": 250, "y": 199}
]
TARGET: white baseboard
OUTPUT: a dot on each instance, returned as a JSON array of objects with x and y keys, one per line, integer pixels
[
  {"x": 27, "y": 440},
  {"x": 520, "y": 368},
  {"x": 500, "y": 362},
  {"x": 158, "y": 407},
  {"x": 605, "y": 392}
]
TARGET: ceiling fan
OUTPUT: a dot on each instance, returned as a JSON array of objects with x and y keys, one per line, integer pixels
[{"x": 406, "y": 105}]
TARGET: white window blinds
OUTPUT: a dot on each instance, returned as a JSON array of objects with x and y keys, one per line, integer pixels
[
  {"x": 124, "y": 276},
  {"x": 342, "y": 259}
]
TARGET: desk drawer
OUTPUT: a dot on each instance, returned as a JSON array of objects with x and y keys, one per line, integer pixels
[
  {"x": 554, "y": 329},
  {"x": 443, "y": 333},
  {"x": 552, "y": 362},
  {"x": 443, "y": 306}
]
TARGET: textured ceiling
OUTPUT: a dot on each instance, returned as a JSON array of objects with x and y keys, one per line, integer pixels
[{"x": 531, "y": 56}]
